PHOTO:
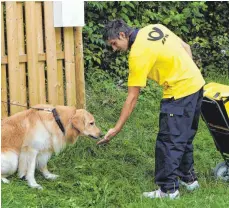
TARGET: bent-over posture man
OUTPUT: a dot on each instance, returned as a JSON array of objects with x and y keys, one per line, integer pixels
[{"x": 157, "y": 53}]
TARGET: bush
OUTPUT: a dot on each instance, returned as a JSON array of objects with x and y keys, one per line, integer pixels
[{"x": 204, "y": 25}]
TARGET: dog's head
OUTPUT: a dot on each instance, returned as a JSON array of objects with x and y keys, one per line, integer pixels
[{"x": 83, "y": 123}]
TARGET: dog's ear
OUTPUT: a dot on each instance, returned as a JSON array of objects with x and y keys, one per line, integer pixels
[{"x": 78, "y": 120}]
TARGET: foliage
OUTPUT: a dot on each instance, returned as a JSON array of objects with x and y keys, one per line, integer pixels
[{"x": 204, "y": 25}]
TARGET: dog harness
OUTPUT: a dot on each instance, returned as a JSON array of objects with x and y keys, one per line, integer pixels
[{"x": 58, "y": 121}]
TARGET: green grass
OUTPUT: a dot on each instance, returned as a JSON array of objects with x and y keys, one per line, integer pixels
[{"x": 115, "y": 175}]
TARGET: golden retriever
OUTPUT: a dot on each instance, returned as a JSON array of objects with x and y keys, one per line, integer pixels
[{"x": 30, "y": 137}]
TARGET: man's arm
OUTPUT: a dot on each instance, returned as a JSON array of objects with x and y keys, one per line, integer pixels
[
  {"x": 186, "y": 47},
  {"x": 127, "y": 109},
  {"x": 128, "y": 106}
]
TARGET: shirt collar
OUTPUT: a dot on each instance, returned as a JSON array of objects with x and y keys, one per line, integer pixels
[{"x": 132, "y": 37}]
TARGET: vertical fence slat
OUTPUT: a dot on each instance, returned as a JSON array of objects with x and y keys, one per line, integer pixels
[
  {"x": 79, "y": 68},
  {"x": 32, "y": 57},
  {"x": 3, "y": 69},
  {"x": 40, "y": 49},
  {"x": 21, "y": 48},
  {"x": 50, "y": 41},
  {"x": 69, "y": 66},
  {"x": 59, "y": 67},
  {"x": 13, "y": 55}
]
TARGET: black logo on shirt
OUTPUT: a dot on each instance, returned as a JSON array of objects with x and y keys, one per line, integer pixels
[{"x": 157, "y": 34}]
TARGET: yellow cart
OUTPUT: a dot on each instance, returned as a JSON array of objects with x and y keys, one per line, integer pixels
[{"x": 215, "y": 113}]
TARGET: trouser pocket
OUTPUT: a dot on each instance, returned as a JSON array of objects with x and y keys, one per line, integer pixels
[{"x": 169, "y": 121}]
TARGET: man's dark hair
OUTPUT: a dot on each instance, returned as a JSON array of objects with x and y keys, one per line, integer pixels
[{"x": 114, "y": 27}]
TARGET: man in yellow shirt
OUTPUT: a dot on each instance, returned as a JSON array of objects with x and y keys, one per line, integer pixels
[{"x": 158, "y": 54}]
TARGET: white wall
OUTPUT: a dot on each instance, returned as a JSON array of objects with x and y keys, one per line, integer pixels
[{"x": 68, "y": 13}]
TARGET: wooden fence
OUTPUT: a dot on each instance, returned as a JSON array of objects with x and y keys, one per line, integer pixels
[{"x": 39, "y": 63}]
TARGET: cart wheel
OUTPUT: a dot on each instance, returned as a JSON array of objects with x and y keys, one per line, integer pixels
[{"x": 221, "y": 171}]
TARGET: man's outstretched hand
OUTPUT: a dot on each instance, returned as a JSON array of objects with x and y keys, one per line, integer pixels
[{"x": 111, "y": 133}]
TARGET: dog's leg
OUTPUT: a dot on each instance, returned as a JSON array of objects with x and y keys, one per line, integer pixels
[
  {"x": 22, "y": 166},
  {"x": 4, "y": 179},
  {"x": 42, "y": 160},
  {"x": 27, "y": 164},
  {"x": 9, "y": 164}
]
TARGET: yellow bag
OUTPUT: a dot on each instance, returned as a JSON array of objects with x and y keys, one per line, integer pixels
[{"x": 217, "y": 91}]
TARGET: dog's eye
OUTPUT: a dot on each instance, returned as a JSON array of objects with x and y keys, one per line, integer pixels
[{"x": 92, "y": 123}]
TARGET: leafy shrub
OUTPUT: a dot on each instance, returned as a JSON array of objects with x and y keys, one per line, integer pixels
[{"x": 204, "y": 25}]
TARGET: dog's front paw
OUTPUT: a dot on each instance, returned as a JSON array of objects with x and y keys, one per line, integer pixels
[
  {"x": 51, "y": 176},
  {"x": 4, "y": 180},
  {"x": 35, "y": 185}
]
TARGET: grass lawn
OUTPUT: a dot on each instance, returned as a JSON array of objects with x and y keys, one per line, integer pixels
[{"x": 115, "y": 175}]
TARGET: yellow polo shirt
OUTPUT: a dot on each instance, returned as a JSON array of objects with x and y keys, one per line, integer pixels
[{"x": 157, "y": 54}]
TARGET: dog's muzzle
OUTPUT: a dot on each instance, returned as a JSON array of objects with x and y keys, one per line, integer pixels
[{"x": 93, "y": 137}]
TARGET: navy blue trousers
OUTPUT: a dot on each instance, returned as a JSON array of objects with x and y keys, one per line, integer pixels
[{"x": 178, "y": 123}]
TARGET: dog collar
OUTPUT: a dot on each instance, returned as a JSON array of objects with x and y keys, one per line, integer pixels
[
  {"x": 58, "y": 121},
  {"x": 55, "y": 115}
]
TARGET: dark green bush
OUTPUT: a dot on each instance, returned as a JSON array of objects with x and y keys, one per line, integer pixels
[{"x": 204, "y": 25}]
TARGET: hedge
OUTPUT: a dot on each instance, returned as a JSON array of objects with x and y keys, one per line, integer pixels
[{"x": 203, "y": 25}]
